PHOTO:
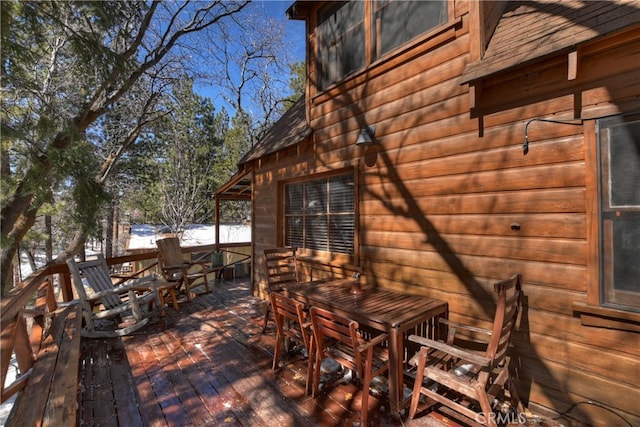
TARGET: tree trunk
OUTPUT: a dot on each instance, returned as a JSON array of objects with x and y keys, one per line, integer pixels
[
  {"x": 10, "y": 249},
  {"x": 49, "y": 242},
  {"x": 76, "y": 246},
  {"x": 109, "y": 233}
]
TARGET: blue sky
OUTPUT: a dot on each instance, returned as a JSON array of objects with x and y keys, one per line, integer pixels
[
  {"x": 295, "y": 28},
  {"x": 295, "y": 37}
]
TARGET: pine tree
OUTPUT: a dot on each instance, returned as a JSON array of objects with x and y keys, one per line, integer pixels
[{"x": 65, "y": 66}]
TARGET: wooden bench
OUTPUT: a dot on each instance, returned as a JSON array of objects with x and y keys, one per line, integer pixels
[{"x": 46, "y": 343}]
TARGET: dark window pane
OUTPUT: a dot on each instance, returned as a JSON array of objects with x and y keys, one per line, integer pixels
[
  {"x": 317, "y": 235},
  {"x": 624, "y": 164},
  {"x": 294, "y": 229},
  {"x": 400, "y": 21},
  {"x": 316, "y": 196},
  {"x": 340, "y": 41},
  {"x": 626, "y": 255},
  {"x": 342, "y": 232},
  {"x": 294, "y": 199},
  {"x": 341, "y": 194}
]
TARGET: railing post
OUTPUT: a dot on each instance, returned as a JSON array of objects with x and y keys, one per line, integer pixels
[{"x": 65, "y": 286}]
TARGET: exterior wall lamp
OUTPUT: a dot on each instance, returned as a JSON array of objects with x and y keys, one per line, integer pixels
[{"x": 365, "y": 136}]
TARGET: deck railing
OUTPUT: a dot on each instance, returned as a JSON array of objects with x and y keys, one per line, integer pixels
[{"x": 25, "y": 309}]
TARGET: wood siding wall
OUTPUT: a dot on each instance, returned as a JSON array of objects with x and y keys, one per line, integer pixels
[{"x": 449, "y": 203}]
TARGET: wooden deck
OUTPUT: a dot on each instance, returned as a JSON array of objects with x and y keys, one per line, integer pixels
[{"x": 207, "y": 365}]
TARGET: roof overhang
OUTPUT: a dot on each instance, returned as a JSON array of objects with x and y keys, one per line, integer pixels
[
  {"x": 291, "y": 129},
  {"x": 238, "y": 187},
  {"x": 530, "y": 32},
  {"x": 299, "y": 10}
]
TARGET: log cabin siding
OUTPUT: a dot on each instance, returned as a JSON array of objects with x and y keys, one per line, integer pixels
[{"x": 449, "y": 203}]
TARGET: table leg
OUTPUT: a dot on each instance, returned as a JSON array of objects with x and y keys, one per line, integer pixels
[
  {"x": 396, "y": 360},
  {"x": 171, "y": 290}
]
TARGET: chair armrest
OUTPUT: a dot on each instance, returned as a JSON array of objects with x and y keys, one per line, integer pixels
[
  {"x": 457, "y": 325},
  {"x": 122, "y": 278},
  {"x": 140, "y": 283},
  {"x": 306, "y": 325},
  {"x": 175, "y": 266},
  {"x": 117, "y": 290},
  {"x": 454, "y": 351},
  {"x": 373, "y": 342}
]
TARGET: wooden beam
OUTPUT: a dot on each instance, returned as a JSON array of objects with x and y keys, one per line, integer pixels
[{"x": 573, "y": 65}]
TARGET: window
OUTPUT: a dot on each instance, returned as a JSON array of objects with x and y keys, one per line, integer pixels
[
  {"x": 340, "y": 41},
  {"x": 320, "y": 214},
  {"x": 342, "y": 32},
  {"x": 619, "y": 161},
  {"x": 398, "y": 21}
]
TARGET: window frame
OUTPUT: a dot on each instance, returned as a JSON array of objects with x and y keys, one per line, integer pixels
[
  {"x": 309, "y": 252},
  {"x": 591, "y": 311},
  {"x": 376, "y": 30},
  {"x": 609, "y": 210},
  {"x": 440, "y": 33},
  {"x": 324, "y": 72}
]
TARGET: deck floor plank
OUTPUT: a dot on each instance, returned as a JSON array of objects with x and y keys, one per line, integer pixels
[
  {"x": 206, "y": 396},
  {"x": 210, "y": 365},
  {"x": 142, "y": 360},
  {"x": 123, "y": 387}
]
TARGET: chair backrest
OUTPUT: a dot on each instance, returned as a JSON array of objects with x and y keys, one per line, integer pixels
[
  {"x": 339, "y": 335},
  {"x": 281, "y": 267},
  {"x": 285, "y": 308},
  {"x": 94, "y": 273},
  {"x": 170, "y": 251},
  {"x": 509, "y": 292}
]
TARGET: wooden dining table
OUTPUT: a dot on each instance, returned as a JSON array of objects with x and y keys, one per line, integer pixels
[{"x": 395, "y": 313}]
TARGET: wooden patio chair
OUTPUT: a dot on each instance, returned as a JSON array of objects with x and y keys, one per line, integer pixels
[
  {"x": 114, "y": 302},
  {"x": 282, "y": 270},
  {"x": 467, "y": 380},
  {"x": 337, "y": 337},
  {"x": 175, "y": 269},
  {"x": 291, "y": 324}
]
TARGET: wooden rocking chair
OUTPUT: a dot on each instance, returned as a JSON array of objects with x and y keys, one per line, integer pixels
[
  {"x": 464, "y": 380},
  {"x": 116, "y": 301},
  {"x": 282, "y": 270},
  {"x": 176, "y": 269}
]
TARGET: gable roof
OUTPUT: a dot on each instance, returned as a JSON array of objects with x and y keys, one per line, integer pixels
[
  {"x": 289, "y": 130},
  {"x": 532, "y": 30}
]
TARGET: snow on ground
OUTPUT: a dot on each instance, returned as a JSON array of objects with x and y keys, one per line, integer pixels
[{"x": 143, "y": 236}]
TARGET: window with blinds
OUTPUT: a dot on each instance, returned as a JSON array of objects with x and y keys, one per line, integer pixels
[{"x": 320, "y": 214}]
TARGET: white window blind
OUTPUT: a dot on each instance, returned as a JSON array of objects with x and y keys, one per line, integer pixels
[{"x": 320, "y": 214}]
